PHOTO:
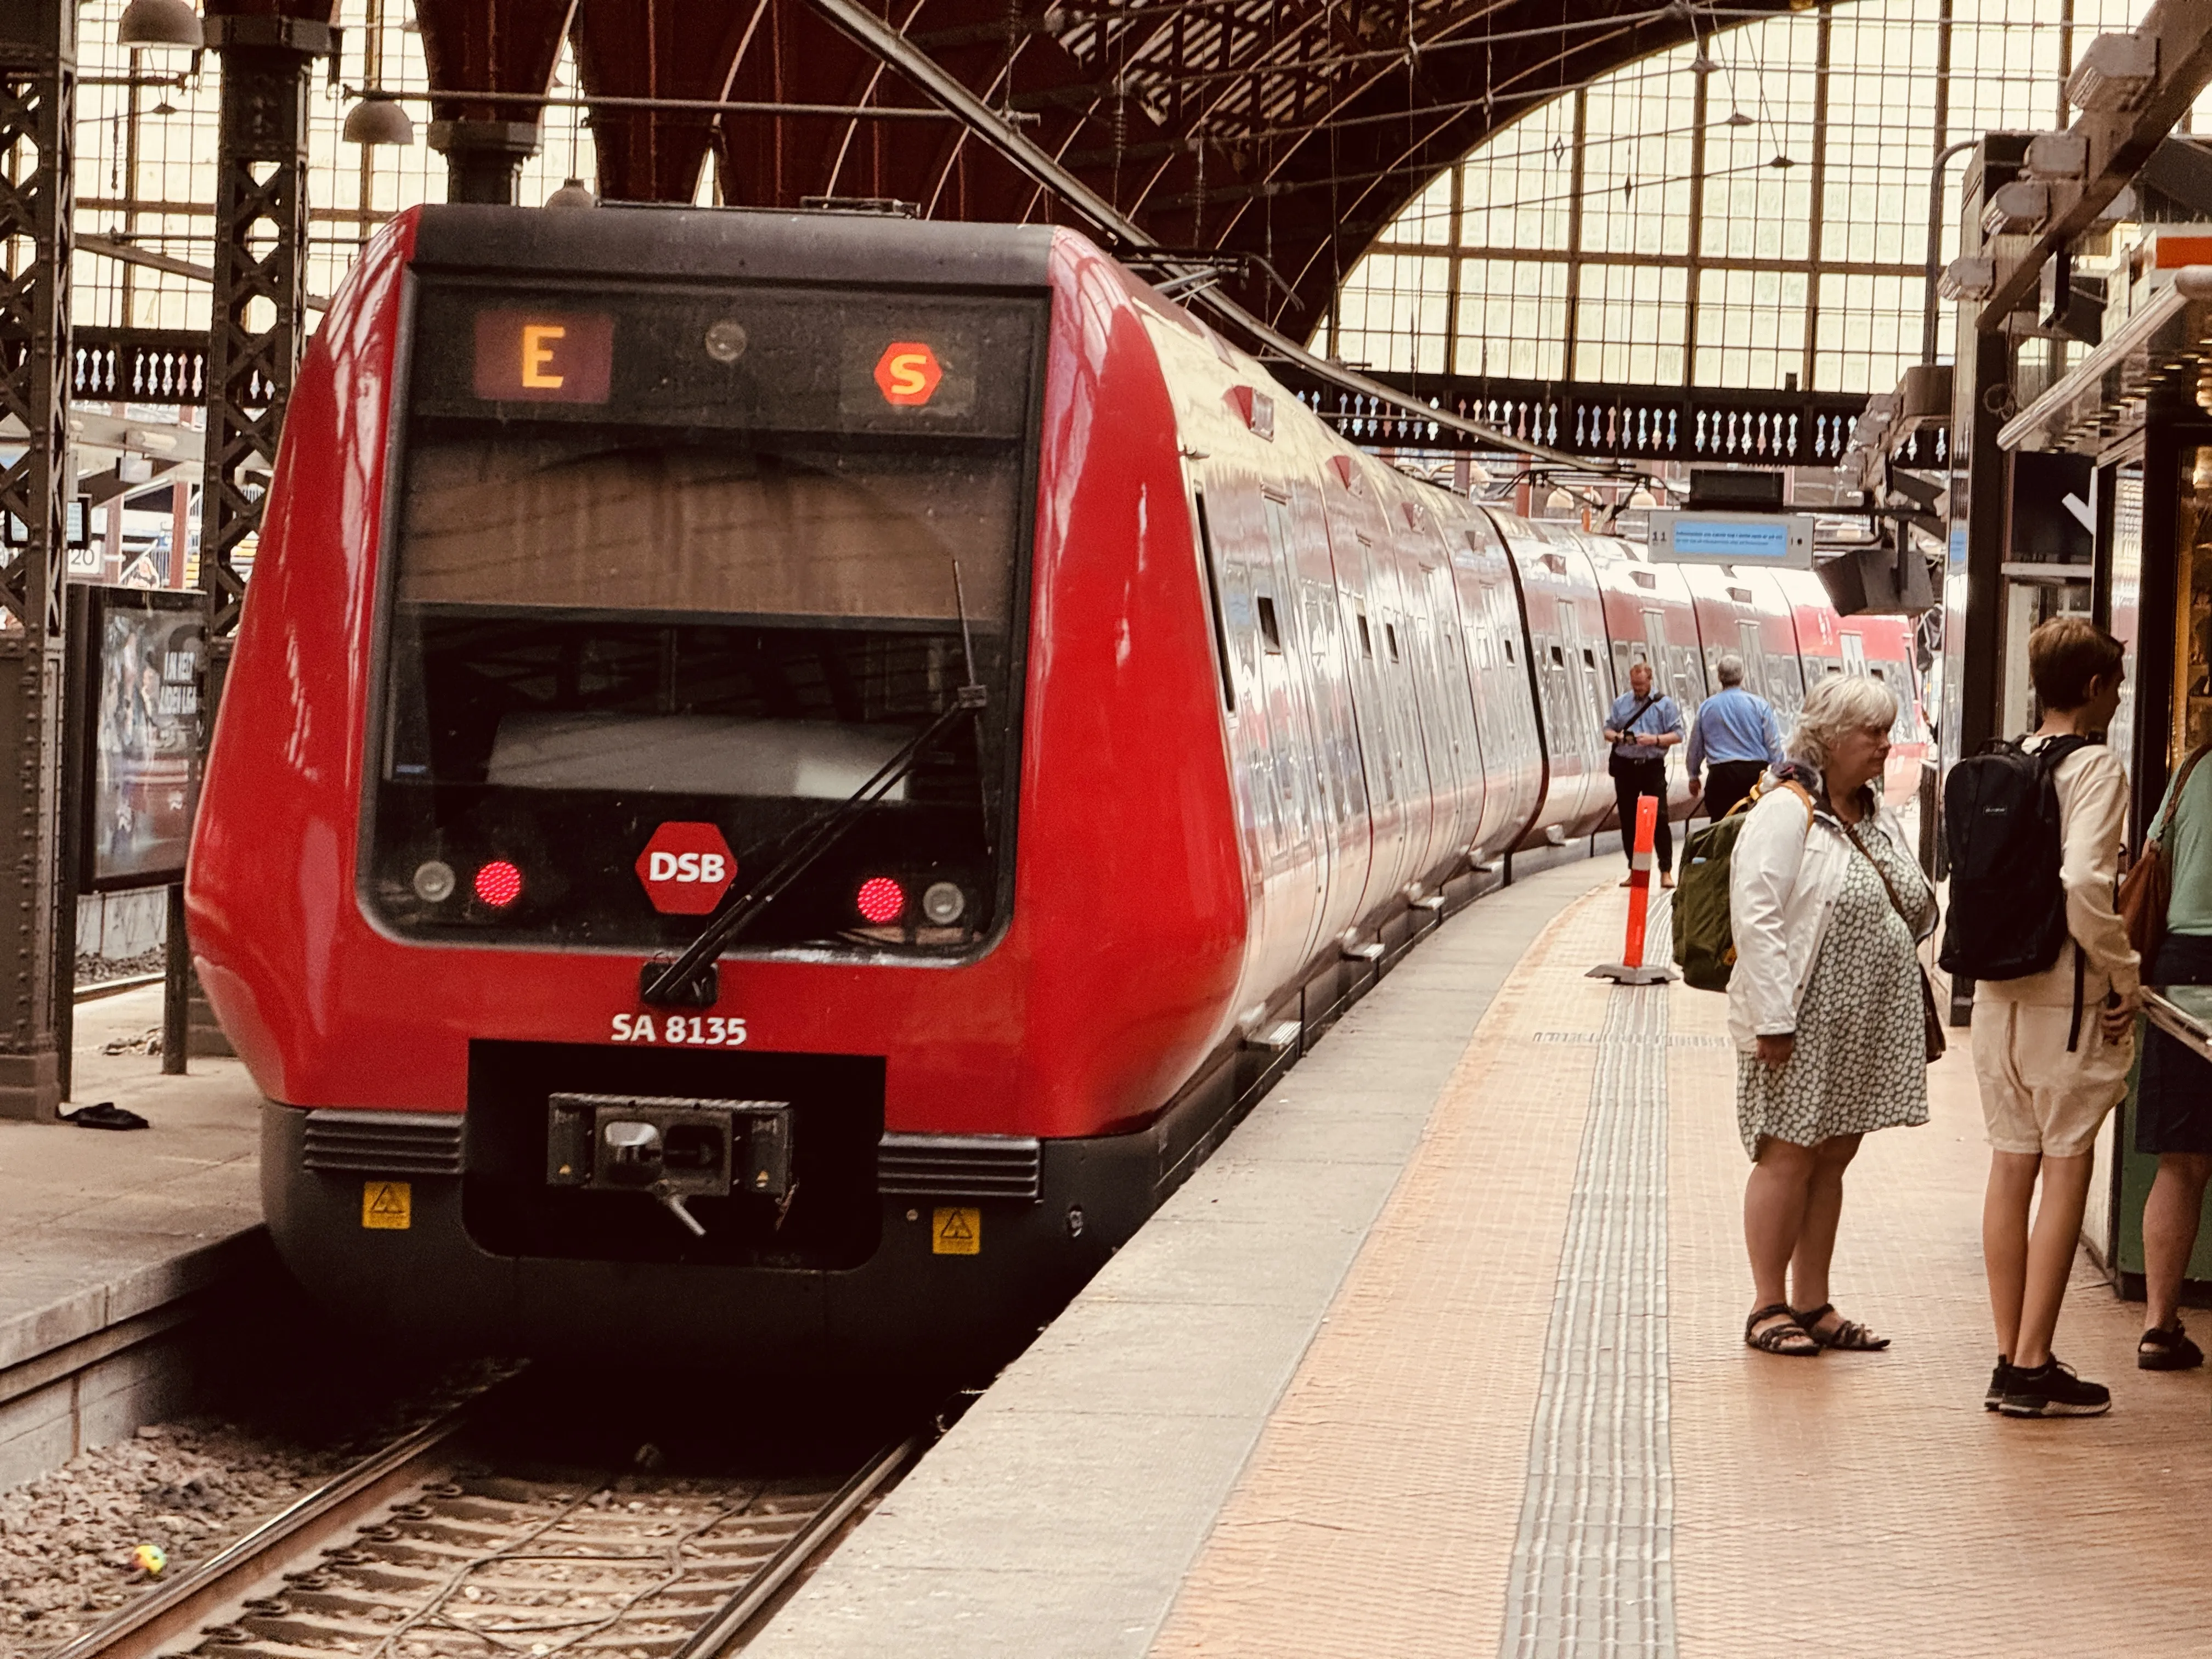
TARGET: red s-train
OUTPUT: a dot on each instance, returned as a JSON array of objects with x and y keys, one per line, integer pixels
[{"x": 1063, "y": 724}]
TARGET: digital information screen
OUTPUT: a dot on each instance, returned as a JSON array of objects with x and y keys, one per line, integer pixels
[{"x": 1772, "y": 541}]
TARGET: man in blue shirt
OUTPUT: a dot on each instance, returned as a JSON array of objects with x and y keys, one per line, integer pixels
[
  {"x": 1642, "y": 727},
  {"x": 1736, "y": 735}
]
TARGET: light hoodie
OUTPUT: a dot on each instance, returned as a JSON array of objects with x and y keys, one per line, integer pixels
[{"x": 2093, "y": 814}]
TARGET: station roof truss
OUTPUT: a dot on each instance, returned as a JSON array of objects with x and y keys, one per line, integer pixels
[{"x": 1286, "y": 133}]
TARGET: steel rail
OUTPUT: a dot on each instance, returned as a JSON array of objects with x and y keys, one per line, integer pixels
[
  {"x": 996, "y": 130},
  {"x": 336, "y": 1508},
  {"x": 722, "y": 1629}
]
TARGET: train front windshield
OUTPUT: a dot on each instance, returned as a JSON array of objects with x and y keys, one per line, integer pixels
[{"x": 674, "y": 573}]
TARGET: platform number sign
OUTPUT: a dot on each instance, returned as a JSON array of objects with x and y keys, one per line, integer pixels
[{"x": 685, "y": 868}]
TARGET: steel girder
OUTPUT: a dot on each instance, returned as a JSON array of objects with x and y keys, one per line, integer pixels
[
  {"x": 1290, "y": 132},
  {"x": 38, "y": 84}
]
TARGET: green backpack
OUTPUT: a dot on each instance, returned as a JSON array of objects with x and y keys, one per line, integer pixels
[{"x": 1704, "y": 940}]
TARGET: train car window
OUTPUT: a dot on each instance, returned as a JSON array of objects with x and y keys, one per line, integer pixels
[
  {"x": 1508, "y": 643},
  {"x": 1366, "y": 640},
  {"x": 1391, "y": 639},
  {"x": 1271, "y": 633},
  {"x": 1213, "y": 601},
  {"x": 1589, "y": 659},
  {"x": 712, "y": 555},
  {"x": 1559, "y": 657}
]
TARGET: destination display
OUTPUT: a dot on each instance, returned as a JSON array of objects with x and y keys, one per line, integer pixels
[{"x": 1773, "y": 541}]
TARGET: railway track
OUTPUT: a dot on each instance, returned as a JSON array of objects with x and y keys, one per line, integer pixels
[{"x": 430, "y": 1549}]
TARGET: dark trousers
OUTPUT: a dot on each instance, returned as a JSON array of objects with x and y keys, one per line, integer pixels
[
  {"x": 1728, "y": 782},
  {"x": 1630, "y": 779}
]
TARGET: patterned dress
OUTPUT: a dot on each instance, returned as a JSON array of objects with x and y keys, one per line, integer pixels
[{"x": 1859, "y": 1063}]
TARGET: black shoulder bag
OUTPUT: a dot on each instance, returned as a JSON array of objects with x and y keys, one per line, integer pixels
[{"x": 1613, "y": 760}]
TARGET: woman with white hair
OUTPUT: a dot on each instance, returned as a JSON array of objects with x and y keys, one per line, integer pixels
[{"x": 1826, "y": 1002}]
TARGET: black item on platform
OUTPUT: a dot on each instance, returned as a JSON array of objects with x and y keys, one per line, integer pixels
[
  {"x": 105, "y": 1115},
  {"x": 2173, "y": 1091},
  {"x": 2001, "y": 824}
]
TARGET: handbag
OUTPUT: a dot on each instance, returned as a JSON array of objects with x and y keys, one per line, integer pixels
[
  {"x": 1933, "y": 1042},
  {"x": 2148, "y": 888}
]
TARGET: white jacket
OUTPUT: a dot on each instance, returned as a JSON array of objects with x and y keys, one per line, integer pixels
[{"x": 1783, "y": 880}]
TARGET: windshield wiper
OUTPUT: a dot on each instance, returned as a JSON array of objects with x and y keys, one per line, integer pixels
[{"x": 690, "y": 981}]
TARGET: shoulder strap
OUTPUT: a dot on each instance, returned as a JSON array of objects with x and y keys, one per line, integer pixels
[
  {"x": 1758, "y": 794},
  {"x": 1888, "y": 886},
  {"x": 2164, "y": 824}
]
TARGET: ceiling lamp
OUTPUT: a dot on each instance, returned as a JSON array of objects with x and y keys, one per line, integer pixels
[
  {"x": 1782, "y": 161},
  {"x": 1640, "y": 500},
  {"x": 1736, "y": 117},
  {"x": 1702, "y": 64},
  {"x": 160, "y": 23},
  {"x": 1968, "y": 279},
  {"x": 377, "y": 121},
  {"x": 1559, "y": 500},
  {"x": 2017, "y": 209},
  {"x": 2117, "y": 71},
  {"x": 573, "y": 193}
]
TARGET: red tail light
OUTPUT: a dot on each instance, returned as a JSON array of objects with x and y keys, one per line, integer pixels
[
  {"x": 880, "y": 900},
  {"x": 499, "y": 884}
]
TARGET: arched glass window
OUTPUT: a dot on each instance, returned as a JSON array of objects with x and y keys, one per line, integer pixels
[{"x": 1752, "y": 213}]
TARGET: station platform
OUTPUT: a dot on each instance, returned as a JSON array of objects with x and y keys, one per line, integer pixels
[
  {"x": 1442, "y": 1355},
  {"x": 113, "y": 1239}
]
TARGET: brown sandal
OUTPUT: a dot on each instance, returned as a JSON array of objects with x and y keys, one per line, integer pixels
[
  {"x": 1849, "y": 1334},
  {"x": 1786, "y": 1336}
]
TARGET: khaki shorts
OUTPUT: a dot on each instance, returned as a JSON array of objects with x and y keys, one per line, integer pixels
[{"x": 2036, "y": 1097}]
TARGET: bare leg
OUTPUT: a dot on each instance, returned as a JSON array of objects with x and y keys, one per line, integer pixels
[
  {"x": 2050, "y": 1250},
  {"x": 1774, "y": 1201},
  {"x": 1824, "y": 1209},
  {"x": 2177, "y": 1199},
  {"x": 2004, "y": 1241}
]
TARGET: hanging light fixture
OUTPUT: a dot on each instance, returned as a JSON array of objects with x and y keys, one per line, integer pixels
[
  {"x": 1559, "y": 500},
  {"x": 573, "y": 193},
  {"x": 1640, "y": 500},
  {"x": 1736, "y": 117},
  {"x": 160, "y": 23},
  {"x": 165, "y": 107},
  {"x": 377, "y": 121}
]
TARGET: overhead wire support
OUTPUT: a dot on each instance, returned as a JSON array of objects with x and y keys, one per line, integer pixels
[{"x": 893, "y": 50}]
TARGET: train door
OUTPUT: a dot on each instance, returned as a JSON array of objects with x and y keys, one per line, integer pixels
[
  {"x": 1303, "y": 772},
  {"x": 1329, "y": 668},
  {"x": 1751, "y": 648},
  {"x": 1456, "y": 698},
  {"x": 1401, "y": 713},
  {"x": 1350, "y": 555},
  {"x": 1512, "y": 746}
]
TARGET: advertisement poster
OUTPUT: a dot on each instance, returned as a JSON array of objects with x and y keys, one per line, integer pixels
[{"x": 144, "y": 738}]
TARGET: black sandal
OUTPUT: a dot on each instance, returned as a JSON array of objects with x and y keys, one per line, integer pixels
[
  {"x": 2161, "y": 1350},
  {"x": 1786, "y": 1336},
  {"x": 1849, "y": 1334}
]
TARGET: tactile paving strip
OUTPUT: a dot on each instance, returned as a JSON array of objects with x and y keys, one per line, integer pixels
[{"x": 1593, "y": 1567}]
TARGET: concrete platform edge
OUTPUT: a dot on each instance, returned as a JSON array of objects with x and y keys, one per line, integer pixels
[
  {"x": 94, "y": 1365},
  {"x": 1062, "y": 1514}
]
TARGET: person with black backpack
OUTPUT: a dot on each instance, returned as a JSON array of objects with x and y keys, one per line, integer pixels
[{"x": 2034, "y": 831}]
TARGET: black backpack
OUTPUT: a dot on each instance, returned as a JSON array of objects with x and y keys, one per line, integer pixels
[{"x": 2001, "y": 828}]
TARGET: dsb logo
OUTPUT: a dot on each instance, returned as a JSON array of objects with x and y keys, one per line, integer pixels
[{"x": 685, "y": 868}]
